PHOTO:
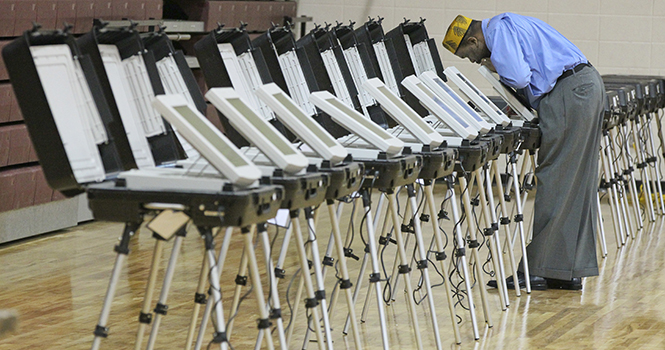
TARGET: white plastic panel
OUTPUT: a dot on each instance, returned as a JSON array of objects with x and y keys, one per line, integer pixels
[
  {"x": 88, "y": 103},
  {"x": 402, "y": 113},
  {"x": 335, "y": 75},
  {"x": 252, "y": 76},
  {"x": 135, "y": 133},
  {"x": 516, "y": 105},
  {"x": 476, "y": 96},
  {"x": 244, "y": 77},
  {"x": 304, "y": 126},
  {"x": 356, "y": 123},
  {"x": 412, "y": 54},
  {"x": 295, "y": 81},
  {"x": 359, "y": 75},
  {"x": 446, "y": 93},
  {"x": 238, "y": 80},
  {"x": 71, "y": 113},
  {"x": 172, "y": 179},
  {"x": 385, "y": 66},
  {"x": 256, "y": 130},
  {"x": 424, "y": 57},
  {"x": 142, "y": 95},
  {"x": 439, "y": 108},
  {"x": 208, "y": 140},
  {"x": 174, "y": 84},
  {"x": 171, "y": 78}
]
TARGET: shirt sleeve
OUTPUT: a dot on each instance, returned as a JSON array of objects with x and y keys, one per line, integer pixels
[{"x": 507, "y": 55}]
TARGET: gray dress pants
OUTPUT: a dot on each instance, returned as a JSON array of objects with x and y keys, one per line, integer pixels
[{"x": 566, "y": 215}]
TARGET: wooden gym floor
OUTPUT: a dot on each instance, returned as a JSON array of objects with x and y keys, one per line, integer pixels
[{"x": 57, "y": 283}]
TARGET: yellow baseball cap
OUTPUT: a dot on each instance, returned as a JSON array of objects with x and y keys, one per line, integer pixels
[{"x": 456, "y": 32}]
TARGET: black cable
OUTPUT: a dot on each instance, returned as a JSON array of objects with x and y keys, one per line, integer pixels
[
  {"x": 288, "y": 302},
  {"x": 311, "y": 230},
  {"x": 388, "y": 286},
  {"x": 458, "y": 293},
  {"x": 362, "y": 224},
  {"x": 420, "y": 280},
  {"x": 353, "y": 224}
]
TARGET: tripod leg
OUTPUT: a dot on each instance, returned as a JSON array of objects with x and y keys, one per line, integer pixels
[
  {"x": 505, "y": 223},
  {"x": 473, "y": 245},
  {"x": 311, "y": 302},
  {"x": 215, "y": 291},
  {"x": 345, "y": 283},
  {"x": 618, "y": 187},
  {"x": 279, "y": 271},
  {"x": 624, "y": 176},
  {"x": 201, "y": 299},
  {"x": 521, "y": 192},
  {"x": 601, "y": 230},
  {"x": 375, "y": 276},
  {"x": 366, "y": 200},
  {"x": 276, "y": 310},
  {"x": 334, "y": 298},
  {"x": 618, "y": 227},
  {"x": 204, "y": 319},
  {"x": 440, "y": 255},
  {"x": 422, "y": 264},
  {"x": 646, "y": 132},
  {"x": 519, "y": 219},
  {"x": 404, "y": 266},
  {"x": 145, "y": 317},
  {"x": 263, "y": 322},
  {"x": 366, "y": 305},
  {"x": 296, "y": 308},
  {"x": 122, "y": 249},
  {"x": 489, "y": 232},
  {"x": 533, "y": 181},
  {"x": 161, "y": 308},
  {"x": 621, "y": 186},
  {"x": 630, "y": 172},
  {"x": 241, "y": 281},
  {"x": 460, "y": 253},
  {"x": 494, "y": 242},
  {"x": 405, "y": 225},
  {"x": 356, "y": 291},
  {"x": 333, "y": 242},
  {"x": 644, "y": 174},
  {"x": 656, "y": 167},
  {"x": 318, "y": 274}
]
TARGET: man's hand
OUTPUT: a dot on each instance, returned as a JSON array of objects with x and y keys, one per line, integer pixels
[{"x": 487, "y": 62}]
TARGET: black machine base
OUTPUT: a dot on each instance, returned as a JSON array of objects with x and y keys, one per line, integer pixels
[
  {"x": 531, "y": 136},
  {"x": 437, "y": 163},
  {"x": 229, "y": 207},
  {"x": 494, "y": 142},
  {"x": 345, "y": 178},
  {"x": 472, "y": 155},
  {"x": 512, "y": 137},
  {"x": 387, "y": 173},
  {"x": 302, "y": 191}
]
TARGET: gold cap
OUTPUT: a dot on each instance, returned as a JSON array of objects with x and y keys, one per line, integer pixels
[{"x": 456, "y": 32}]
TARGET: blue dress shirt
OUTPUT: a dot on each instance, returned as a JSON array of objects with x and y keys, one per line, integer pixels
[{"x": 528, "y": 53}]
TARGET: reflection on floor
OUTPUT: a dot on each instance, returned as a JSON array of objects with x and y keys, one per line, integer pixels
[{"x": 57, "y": 284}]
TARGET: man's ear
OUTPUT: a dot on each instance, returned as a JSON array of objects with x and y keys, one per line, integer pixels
[{"x": 472, "y": 40}]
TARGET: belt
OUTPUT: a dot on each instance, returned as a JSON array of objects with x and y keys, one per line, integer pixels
[{"x": 573, "y": 70}]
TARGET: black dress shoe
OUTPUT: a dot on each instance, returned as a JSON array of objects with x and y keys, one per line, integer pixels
[
  {"x": 537, "y": 282},
  {"x": 573, "y": 284}
]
